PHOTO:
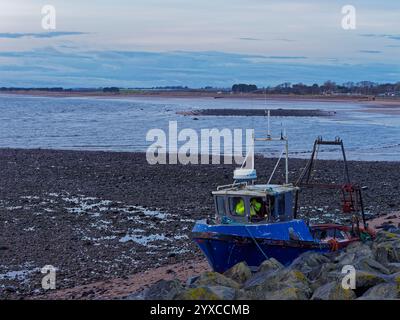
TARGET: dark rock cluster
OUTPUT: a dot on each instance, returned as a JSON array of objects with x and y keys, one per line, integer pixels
[{"x": 312, "y": 275}]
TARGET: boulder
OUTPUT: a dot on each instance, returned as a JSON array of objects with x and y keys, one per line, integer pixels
[
  {"x": 287, "y": 294},
  {"x": 387, "y": 250},
  {"x": 164, "y": 290},
  {"x": 270, "y": 265},
  {"x": 367, "y": 280},
  {"x": 211, "y": 278},
  {"x": 360, "y": 248},
  {"x": 381, "y": 254},
  {"x": 262, "y": 284},
  {"x": 333, "y": 291},
  {"x": 384, "y": 236},
  {"x": 224, "y": 293},
  {"x": 239, "y": 272},
  {"x": 361, "y": 262},
  {"x": 382, "y": 291},
  {"x": 370, "y": 265},
  {"x": 257, "y": 279},
  {"x": 345, "y": 258},
  {"x": 394, "y": 267},
  {"x": 327, "y": 272},
  {"x": 140, "y": 295},
  {"x": 309, "y": 263},
  {"x": 199, "y": 293},
  {"x": 395, "y": 278},
  {"x": 245, "y": 295}
]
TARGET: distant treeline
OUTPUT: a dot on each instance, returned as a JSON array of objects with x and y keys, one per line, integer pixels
[
  {"x": 329, "y": 87},
  {"x": 244, "y": 88},
  {"x": 52, "y": 89},
  {"x": 111, "y": 89}
]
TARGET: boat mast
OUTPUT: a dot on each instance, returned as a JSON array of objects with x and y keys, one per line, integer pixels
[{"x": 284, "y": 138}]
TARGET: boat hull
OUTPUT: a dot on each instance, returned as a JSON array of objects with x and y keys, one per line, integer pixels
[
  {"x": 226, "y": 245},
  {"x": 223, "y": 252}
]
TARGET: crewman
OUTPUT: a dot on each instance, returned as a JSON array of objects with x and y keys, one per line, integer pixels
[
  {"x": 255, "y": 207},
  {"x": 239, "y": 208}
]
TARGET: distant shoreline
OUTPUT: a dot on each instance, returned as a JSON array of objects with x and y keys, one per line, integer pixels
[{"x": 388, "y": 105}]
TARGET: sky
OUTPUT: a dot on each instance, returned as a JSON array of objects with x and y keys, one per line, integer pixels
[{"x": 147, "y": 43}]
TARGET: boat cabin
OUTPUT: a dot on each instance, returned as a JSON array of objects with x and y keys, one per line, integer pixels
[{"x": 249, "y": 203}]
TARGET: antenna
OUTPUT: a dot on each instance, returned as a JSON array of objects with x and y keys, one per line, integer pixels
[{"x": 269, "y": 124}]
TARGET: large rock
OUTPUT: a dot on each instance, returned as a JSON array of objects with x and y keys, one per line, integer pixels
[
  {"x": 215, "y": 279},
  {"x": 384, "y": 236},
  {"x": 361, "y": 262},
  {"x": 288, "y": 293},
  {"x": 270, "y": 265},
  {"x": 387, "y": 247},
  {"x": 309, "y": 264},
  {"x": 366, "y": 280},
  {"x": 224, "y": 293},
  {"x": 360, "y": 249},
  {"x": 164, "y": 290},
  {"x": 262, "y": 284},
  {"x": 353, "y": 253},
  {"x": 239, "y": 272},
  {"x": 327, "y": 272},
  {"x": 394, "y": 267},
  {"x": 333, "y": 291},
  {"x": 199, "y": 293},
  {"x": 383, "y": 291},
  {"x": 370, "y": 265}
]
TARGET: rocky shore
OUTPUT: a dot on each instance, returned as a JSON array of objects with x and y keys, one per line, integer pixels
[
  {"x": 312, "y": 276},
  {"x": 97, "y": 216}
]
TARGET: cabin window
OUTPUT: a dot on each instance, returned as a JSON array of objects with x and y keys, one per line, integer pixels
[
  {"x": 271, "y": 207},
  {"x": 325, "y": 234},
  {"x": 237, "y": 206},
  {"x": 220, "y": 203},
  {"x": 281, "y": 204},
  {"x": 257, "y": 209}
]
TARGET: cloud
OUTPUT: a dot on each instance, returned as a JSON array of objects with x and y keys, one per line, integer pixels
[
  {"x": 71, "y": 68},
  {"x": 287, "y": 57},
  {"x": 284, "y": 40},
  {"x": 370, "y": 51},
  {"x": 40, "y": 35},
  {"x": 250, "y": 39}
]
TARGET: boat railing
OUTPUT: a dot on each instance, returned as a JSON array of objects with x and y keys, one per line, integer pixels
[{"x": 231, "y": 186}]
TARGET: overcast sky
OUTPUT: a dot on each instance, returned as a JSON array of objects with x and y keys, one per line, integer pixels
[{"x": 144, "y": 43}]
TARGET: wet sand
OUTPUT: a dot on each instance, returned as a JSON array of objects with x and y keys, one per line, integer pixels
[
  {"x": 259, "y": 112},
  {"x": 97, "y": 216},
  {"x": 123, "y": 288}
]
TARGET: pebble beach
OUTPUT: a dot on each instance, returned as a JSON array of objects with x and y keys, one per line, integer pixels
[{"x": 97, "y": 216}]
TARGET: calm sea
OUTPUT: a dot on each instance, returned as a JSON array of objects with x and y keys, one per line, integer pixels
[{"x": 122, "y": 125}]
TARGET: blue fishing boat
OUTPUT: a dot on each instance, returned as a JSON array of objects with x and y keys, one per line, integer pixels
[{"x": 254, "y": 222}]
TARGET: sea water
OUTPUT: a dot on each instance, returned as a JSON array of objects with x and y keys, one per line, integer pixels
[{"x": 121, "y": 124}]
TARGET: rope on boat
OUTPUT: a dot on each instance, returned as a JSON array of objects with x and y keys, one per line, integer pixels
[
  {"x": 255, "y": 241},
  {"x": 276, "y": 166}
]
